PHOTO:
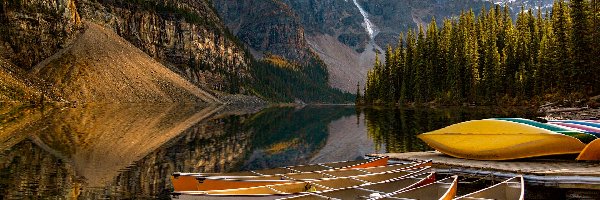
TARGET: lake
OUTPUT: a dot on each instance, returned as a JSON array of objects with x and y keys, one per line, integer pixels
[{"x": 129, "y": 151}]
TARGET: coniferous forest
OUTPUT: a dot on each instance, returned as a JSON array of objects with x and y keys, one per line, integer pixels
[{"x": 491, "y": 58}]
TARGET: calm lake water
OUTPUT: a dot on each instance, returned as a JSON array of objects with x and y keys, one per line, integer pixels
[{"x": 129, "y": 151}]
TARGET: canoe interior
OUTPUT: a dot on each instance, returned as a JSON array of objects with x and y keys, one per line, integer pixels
[
  {"x": 444, "y": 189},
  {"x": 223, "y": 185},
  {"x": 512, "y": 189},
  {"x": 307, "y": 197},
  {"x": 379, "y": 161},
  {"x": 314, "y": 186},
  {"x": 366, "y": 190},
  {"x": 331, "y": 173},
  {"x": 394, "y": 186},
  {"x": 191, "y": 183}
]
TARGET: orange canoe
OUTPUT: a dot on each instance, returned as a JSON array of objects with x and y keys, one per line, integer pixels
[{"x": 192, "y": 183}]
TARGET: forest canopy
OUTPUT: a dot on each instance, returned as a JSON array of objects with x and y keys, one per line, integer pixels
[{"x": 489, "y": 59}]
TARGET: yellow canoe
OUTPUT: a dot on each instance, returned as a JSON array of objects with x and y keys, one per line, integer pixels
[
  {"x": 499, "y": 140},
  {"x": 591, "y": 151}
]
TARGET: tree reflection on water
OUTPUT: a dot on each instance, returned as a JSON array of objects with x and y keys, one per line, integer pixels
[{"x": 395, "y": 129}]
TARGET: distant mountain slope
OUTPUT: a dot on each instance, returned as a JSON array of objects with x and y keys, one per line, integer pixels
[
  {"x": 102, "y": 67},
  {"x": 267, "y": 27},
  {"x": 334, "y": 30}
]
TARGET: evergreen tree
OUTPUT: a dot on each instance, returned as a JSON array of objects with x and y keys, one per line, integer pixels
[
  {"x": 409, "y": 66},
  {"x": 358, "y": 100},
  {"x": 561, "y": 25},
  {"x": 480, "y": 59},
  {"x": 398, "y": 71},
  {"x": 582, "y": 53}
]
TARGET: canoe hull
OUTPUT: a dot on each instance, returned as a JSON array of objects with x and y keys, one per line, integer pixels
[
  {"x": 511, "y": 189},
  {"x": 499, "y": 140},
  {"x": 591, "y": 152}
]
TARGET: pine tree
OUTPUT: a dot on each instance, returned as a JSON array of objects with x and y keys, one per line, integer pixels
[
  {"x": 409, "y": 66},
  {"x": 595, "y": 26},
  {"x": 434, "y": 60},
  {"x": 358, "y": 100},
  {"x": 421, "y": 86},
  {"x": 561, "y": 25},
  {"x": 398, "y": 71},
  {"x": 582, "y": 51},
  {"x": 595, "y": 35},
  {"x": 479, "y": 59},
  {"x": 386, "y": 91},
  {"x": 446, "y": 56}
]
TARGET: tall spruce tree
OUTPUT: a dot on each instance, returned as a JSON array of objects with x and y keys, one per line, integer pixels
[{"x": 582, "y": 51}]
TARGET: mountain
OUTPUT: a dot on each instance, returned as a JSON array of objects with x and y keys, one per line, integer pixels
[
  {"x": 185, "y": 36},
  {"x": 100, "y": 66},
  {"x": 281, "y": 50},
  {"x": 32, "y": 31},
  {"x": 345, "y": 35}
]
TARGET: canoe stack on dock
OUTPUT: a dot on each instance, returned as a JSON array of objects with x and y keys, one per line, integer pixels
[
  {"x": 515, "y": 138},
  {"x": 364, "y": 179}
]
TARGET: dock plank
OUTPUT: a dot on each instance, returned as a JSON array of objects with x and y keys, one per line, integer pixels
[{"x": 540, "y": 167}]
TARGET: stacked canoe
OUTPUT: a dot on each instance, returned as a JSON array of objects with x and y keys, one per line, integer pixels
[
  {"x": 366, "y": 179},
  {"x": 515, "y": 138}
]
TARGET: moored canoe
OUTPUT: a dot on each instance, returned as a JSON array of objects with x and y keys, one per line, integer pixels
[
  {"x": 511, "y": 189},
  {"x": 366, "y": 191},
  {"x": 311, "y": 186},
  {"x": 192, "y": 183},
  {"x": 591, "y": 152},
  {"x": 587, "y": 129},
  {"x": 499, "y": 140},
  {"x": 378, "y": 161},
  {"x": 444, "y": 189},
  {"x": 582, "y": 136}
]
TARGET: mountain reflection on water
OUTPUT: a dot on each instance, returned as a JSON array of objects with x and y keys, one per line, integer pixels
[{"x": 129, "y": 151}]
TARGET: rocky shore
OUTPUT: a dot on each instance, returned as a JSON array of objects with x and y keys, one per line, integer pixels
[{"x": 582, "y": 111}]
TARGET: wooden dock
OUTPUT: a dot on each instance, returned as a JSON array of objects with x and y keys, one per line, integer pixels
[{"x": 551, "y": 172}]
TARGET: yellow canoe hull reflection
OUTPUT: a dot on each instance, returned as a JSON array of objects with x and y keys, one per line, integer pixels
[
  {"x": 591, "y": 151},
  {"x": 499, "y": 140}
]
